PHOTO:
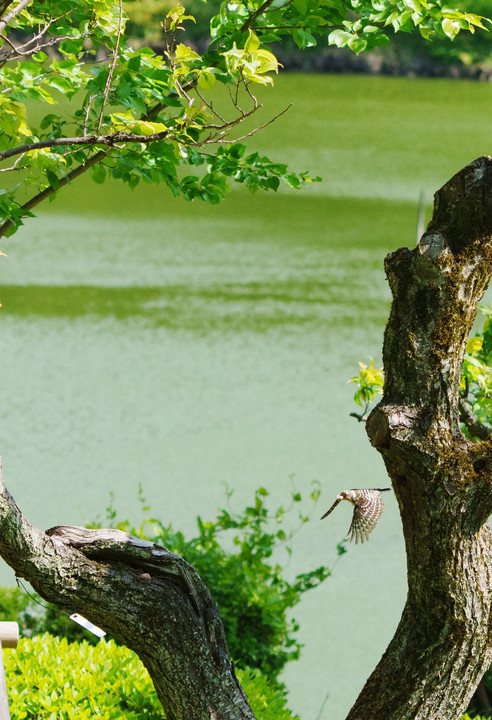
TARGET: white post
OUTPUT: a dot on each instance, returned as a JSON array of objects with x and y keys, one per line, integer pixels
[{"x": 9, "y": 637}]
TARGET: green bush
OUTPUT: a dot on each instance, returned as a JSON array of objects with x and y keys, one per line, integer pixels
[
  {"x": 51, "y": 679},
  {"x": 238, "y": 556},
  {"x": 241, "y": 557},
  {"x": 35, "y": 616},
  {"x": 17, "y": 606}
]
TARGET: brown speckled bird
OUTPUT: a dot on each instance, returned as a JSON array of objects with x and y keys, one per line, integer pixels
[{"x": 368, "y": 506}]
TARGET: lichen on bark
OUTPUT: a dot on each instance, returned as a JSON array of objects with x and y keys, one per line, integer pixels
[
  {"x": 441, "y": 480},
  {"x": 146, "y": 597}
]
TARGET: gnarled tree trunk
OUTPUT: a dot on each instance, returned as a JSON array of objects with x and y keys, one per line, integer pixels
[
  {"x": 143, "y": 595},
  {"x": 441, "y": 480}
]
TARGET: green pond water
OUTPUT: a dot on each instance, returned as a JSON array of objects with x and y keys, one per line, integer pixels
[{"x": 185, "y": 347}]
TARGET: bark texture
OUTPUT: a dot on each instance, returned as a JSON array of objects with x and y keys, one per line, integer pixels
[
  {"x": 441, "y": 480},
  {"x": 143, "y": 595}
]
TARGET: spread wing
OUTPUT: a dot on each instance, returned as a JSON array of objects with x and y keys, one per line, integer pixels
[{"x": 367, "y": 511}]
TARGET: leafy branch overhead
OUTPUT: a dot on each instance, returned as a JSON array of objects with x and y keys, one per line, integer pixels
[{"x": 133, "y": 114}]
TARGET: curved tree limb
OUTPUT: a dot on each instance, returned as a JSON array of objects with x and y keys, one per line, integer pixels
[
  {"x": 35, "y": 200},
  {"x": 442, "y": 481},
  {"x": 98, "y": 157},
  {"x": 87, "y": 140},
  {"x": 148, "y": 598},
  {"x": 9, "y": 16}
]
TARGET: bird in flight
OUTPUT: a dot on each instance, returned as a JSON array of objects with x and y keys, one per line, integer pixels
[{"x": 368, "y": 506}]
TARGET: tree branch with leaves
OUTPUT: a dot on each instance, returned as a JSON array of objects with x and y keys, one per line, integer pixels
[{"x": 152, "y": 111}]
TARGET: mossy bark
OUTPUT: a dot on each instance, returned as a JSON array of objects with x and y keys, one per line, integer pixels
[
  {"x": 442, "y": 481},
  {"x": 144, "y": 596}
]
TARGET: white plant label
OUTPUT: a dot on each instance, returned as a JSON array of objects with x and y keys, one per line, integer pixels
[{"x": 81, "y": 620}]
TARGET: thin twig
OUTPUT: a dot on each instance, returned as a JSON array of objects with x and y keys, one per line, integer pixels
[
  {"x": 218, "y": 137},
  {"x": 7, "y": 57},
  {"x": 246, "y": 24},
  {"x": 87, "y": 111},
  {"x": 253, "y": 97},
  {"x": 15, "y": 166},
  {"x": 210, "y": 106},
  {"x": 320, "y": 28},
  {"x": 29, "y": 47},
  {"x": 228, "y": 124},
  {"x": 182, "y": 91},
  {"x": 9, "y": 42},
  {"x": 113, "y": 64}
]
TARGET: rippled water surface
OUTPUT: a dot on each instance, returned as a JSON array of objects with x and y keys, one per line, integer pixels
[{"x": 146, "y": 340}]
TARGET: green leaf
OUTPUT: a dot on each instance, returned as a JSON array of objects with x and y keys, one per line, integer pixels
[
  {"x": 39, "y": 57},
  {"x": 53, "y": 179},
  {"x": 252, "y": 43},
  {"x": 206, "y": 79},
  {"x": 450, "y": 27},
  {"x": 303, "y": 39},
  {"x": 357, "y": 44},
  {"x": 474, "y": 344},
  {"x": 98, "y": 173},
  {"x": 340, "y": 38},
  {"x": 183, "y": 53}
]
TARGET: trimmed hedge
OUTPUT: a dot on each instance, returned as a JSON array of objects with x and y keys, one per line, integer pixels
[{"x": 51, "y": 679}]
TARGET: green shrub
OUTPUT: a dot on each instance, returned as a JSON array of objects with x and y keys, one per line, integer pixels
[
  {"x": 238, "y": 556},
  {"x": 51, "y": 679},
  {"x": 35, "y": 616},
  {"x": 17, "y": 606}
]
